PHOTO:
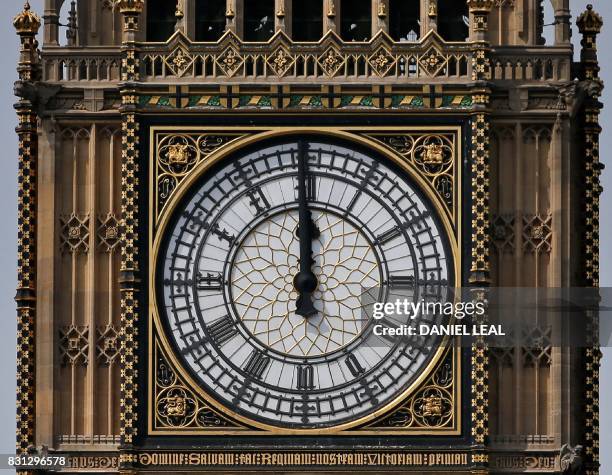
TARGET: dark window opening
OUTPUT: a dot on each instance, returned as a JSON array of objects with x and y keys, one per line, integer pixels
[
  {"x": 258, "y": 20},
  {"x": 453, "y": 20},
  {"x": 210, "y": 20},
  {"x": 405, "y": 20},
  {"x": 356, "y": 23},
  {"x": 161, "y": 19},
  {"x": 307, "y": 24}
]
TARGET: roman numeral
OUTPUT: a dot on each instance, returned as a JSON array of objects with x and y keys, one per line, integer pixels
[
  {"x": 258, "y": 200},
  {"x": 369, "y": 179},
  {"x": 305, "y": 377},
  {"x": 311, "y": 188},
  {"x": 256, "y": 364},
  {"x": 215, "y": 229},
  {"x": 256, "y": 196},
  {"x": 178, "y": 283},
  {"x": 210, "y": 281},
  {"x": 354, "y": 366},
  {"x": 389, "y": 235},
  {"x": 222, "y": 330},
  {"x": 402, "y": 281},
  {"x": 395, "y": 232}
]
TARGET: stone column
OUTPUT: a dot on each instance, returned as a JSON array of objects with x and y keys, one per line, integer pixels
[
  {"x": 480, "y": 221},
  {"x": 27, "y": 25},
  {"x": 129, "y": 282},
  {"x": 51, "y": 19},
  {"x": 331, "y": 20},
  {"x": 380, "y": 16},
  {"x": 590, "y": 24},
  {"x": 563, "y": 29}
]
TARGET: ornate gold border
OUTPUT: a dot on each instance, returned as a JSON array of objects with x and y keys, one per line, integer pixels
[{"x": 355, "y": 134}]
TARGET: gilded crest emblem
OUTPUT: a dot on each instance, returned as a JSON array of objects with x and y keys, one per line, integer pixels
[
  {"x": 175, "y": 406},
  {"x": 432, "y": 406},
  {"x": 433, "y": 154},
  {"x": 178, "y": 154}
]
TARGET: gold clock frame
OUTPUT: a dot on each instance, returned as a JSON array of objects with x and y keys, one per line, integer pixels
[{"x": 233, "y": 423}]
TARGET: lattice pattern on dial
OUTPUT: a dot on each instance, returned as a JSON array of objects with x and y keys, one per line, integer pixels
[{"x": 264, "y": 295}]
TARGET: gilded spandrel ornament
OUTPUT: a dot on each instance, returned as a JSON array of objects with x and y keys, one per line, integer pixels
[
  {"x": 177, "y": 407},
  {"x": 433, "y": 155},
  {"x": 431, "y": 406}
]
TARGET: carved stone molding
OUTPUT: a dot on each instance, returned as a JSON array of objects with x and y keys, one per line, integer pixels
[
  {"x": 534, "y": 134},
  {"x": 107, "y": 344},
  {"x": 537, "y": 233},
  {"x": 503, "y": 235},
  {"x": 329, "y": 59},
  {"x": 74, "y": 234},
  {"x": 108, "y": 233},
  {"x": 503, "y": 357},
  {"x": 74, "y": 345},
  {"x": 537, "y": 346}
]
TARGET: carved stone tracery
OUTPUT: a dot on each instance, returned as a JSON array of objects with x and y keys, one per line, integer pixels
[
  {"x": 108, "y": 233},
  {"x": 107, "y": 344},
  {"x": 74, "y": 236},
  {"x": 503, "y": 235},
  {"x": 537, "y": 233},
  {"x": 74, "y": 345}
]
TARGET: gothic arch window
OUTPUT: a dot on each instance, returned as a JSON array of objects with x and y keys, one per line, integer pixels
[
  {"x": 161, "y": 19},
  {"x": 307, "y": 20},
  {"x": 356, "y": 20},
  {"x": 453, "y": 20},
  {"x": 258, "y": 20},
  {"x": 404, "y": 19},
  {"x": 209, "y": 20}
]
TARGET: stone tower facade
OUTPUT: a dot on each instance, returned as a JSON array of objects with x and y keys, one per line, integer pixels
[{"x": 522, "y": 196}]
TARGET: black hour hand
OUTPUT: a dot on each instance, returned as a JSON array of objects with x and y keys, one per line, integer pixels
[{"x": 305, "y": 282}]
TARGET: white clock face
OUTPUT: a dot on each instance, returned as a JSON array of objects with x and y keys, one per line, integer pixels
[{"x": 262, "y": 276}]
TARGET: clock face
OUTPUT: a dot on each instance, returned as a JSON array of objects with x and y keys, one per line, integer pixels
[{"x": 268, "y": 270}]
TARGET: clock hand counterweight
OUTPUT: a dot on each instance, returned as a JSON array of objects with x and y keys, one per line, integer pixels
[{"x": 305, "y": 282}]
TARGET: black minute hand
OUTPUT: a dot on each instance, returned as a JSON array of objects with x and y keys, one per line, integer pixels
[{"x": 305, "y": 281}]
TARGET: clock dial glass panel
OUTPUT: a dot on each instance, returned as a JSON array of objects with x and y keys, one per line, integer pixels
[{"x": 228, "y": 286}]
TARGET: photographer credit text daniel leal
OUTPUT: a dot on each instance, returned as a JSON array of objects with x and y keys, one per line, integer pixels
[{"x": 455, "y": 313}]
